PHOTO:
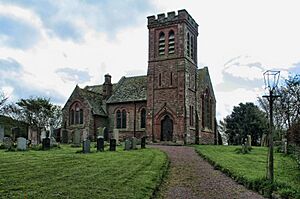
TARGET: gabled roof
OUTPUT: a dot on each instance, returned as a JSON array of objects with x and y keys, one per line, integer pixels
[
  {"x": 130, "y": 89},
  {"x": 94, "y": 100},
  {"x": 97, "y": 88},
  {"x": 204, "y": 80}
]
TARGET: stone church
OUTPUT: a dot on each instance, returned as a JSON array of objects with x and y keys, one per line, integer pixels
[{"x": 175, "y": 101}]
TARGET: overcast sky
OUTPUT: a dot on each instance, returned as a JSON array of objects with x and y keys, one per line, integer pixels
[{"x": 47, "y": 46}]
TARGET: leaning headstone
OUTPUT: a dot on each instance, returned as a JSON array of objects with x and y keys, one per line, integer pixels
[
  {"x": 21, "y": 143},
  {"x": 112, "y": 145},
  {"x": 1, "y": 134},
  {"x": 116, "y": 135},
  {"x": 143, "y": 142},
  {"x": 127, "y": 145},
  {"x": 134, "y": 143},
  {"x": 7, "y": 141},
  {"x": 100, "y": 143},
  {"x": 46, "y": 144},
  {"x": 76, "y": 140},
  {"x": 86, "y": 146}
]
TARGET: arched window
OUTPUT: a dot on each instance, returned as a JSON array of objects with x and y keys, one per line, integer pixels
[
  {"x": 159, "y": 79},
  {"x": 76, "y": 114},
  {"x": 171, "y": 79},
  {"x": 124, "y": 119},
  {"x": 192, "y": 47},
  {"x": 143, "y": 118},
  {"x": 118, "y": 119},
  {"x": 206, "y": 110},
  {"x": 188, "y": 44},
  {"x": 161, "y": 44},
  {"x": 171, "y": 42}
]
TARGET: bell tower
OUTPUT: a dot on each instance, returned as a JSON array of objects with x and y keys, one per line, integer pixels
[{"x": 172, "y": 68}]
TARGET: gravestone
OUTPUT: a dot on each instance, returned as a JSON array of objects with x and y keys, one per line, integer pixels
[
  {"x": 105, "y": 134},
  {"x": 264, "y": 140},
  {"x": 15, "y": 131},
  {"x": 143, "y": 142},
  {"x": 52, "y": 141},
  {"x": 46, "y": 144},
  {"x": 33, "y": 136},
  {"x": 64, "y": 136},
  {"x": 127, "y": 145},
  {"x": 86, "y": 146},
  {"x": 7, "y": 141},
  {"x": 100, "y": 131},
  {"x": 43, "y": 134},
  {"x": 21, "y": 143},
  {"x": 249, "y": 140},
  {"x": 112, "y": 145},
  {"x": 85, "y": 134},
  {"x": 116, "y": 135},
  {"x": 76, "y": 139},
  {"x": 100, "y": 143},
  {"x": 1, "y": 134},
  {"x": 133, "y": 143}
]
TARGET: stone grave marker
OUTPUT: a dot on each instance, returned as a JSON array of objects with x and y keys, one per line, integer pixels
[
  {"x": 127, "y": 146},
  {"x": 134, "y": 142},
  {"x": 46, "y": 144},
  {"x": 52, "y": 141},
  {"x": 21, "y": 143},
  {"x": 143, "y": 142},
  {"x": 105, "y": 134},
  {"x": 116, "y": 135},
  {"x": 86, "y": 146},
  {"x": 7, "y": 141},
  {"x": 249, "y": 140},
  {"x": 100, "y": 143},
  {"x": 43, "y": 134},
  {"x": 76, "y": 140},
  {"x": 1, "y": 134},
  {"x": 100, "y": 131},
  {"x": 112, "y": 145},
  {"x": 33, "y": 136}
]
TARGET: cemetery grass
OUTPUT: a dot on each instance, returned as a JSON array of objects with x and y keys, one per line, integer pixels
[
  {"x": 250, "y": 169},
  {"x": 65, "y": 173}
]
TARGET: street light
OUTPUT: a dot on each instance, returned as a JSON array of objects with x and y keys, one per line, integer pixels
[{"x": 271, "y": 79}]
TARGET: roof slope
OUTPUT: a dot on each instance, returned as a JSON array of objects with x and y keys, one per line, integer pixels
[
  {"x": 130, "y": 89},
  {"x": 94, "y": 100}
]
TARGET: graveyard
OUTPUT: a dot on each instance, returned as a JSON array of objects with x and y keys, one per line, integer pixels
[{"x": 66, "y": 172}]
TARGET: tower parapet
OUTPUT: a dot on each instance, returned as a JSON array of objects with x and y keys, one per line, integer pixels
[{"x": 172, "y": 18}]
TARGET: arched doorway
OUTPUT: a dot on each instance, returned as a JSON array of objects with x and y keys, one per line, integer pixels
[{"x": 166, "y": 129}]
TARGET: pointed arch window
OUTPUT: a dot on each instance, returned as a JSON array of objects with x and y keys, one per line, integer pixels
[
  {"x": 161, "y": 44},
  {"x": 171, "y": 42},
  {"x": 192, "y": 47},
  {"x": 143, "y": 118},
  {"x": 119, "y": 119},
  {"x": 124, "y": 119},
  {"x": 76, "y": 114}
]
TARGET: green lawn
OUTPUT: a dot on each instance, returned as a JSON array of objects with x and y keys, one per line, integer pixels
[
  {"x": 250, "y": 169},
  {"x": 63, "y": 173}
]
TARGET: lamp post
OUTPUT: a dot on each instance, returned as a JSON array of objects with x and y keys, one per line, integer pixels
[{"x": 271, "y": 79}]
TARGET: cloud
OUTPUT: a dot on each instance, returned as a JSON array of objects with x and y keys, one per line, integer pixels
[
  {"x": 70, "y": 19},
  {"x": 73, "y": 75},
  {"x": 13, "y": 84},
  {"x": 17, "y": 33}
]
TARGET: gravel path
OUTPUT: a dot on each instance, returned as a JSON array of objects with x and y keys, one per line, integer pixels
[{"x": 192, "y": 177}]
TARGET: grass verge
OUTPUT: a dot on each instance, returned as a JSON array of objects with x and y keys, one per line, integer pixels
[
  {"x": 63, "y": 173},
  {"x": 250, "y": 169}
]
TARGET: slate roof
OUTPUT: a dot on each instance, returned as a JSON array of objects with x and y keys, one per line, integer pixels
[
  {"x": 97, "y": 88},
  {"x": 130, "y": 89},
  {"x": 95, "y": 101}
]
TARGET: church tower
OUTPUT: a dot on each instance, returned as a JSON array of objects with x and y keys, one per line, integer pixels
[{"x": 171, "y": 83}]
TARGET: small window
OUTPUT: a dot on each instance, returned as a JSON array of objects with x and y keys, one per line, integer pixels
[
  {"x": 188, "y": 45},
  {"x": 171, "y": 79},
  {"x": 118, "y": 119},
  {"x": 161, "y": 44},
  {"x": 143, "y": 118},
  {"x": 171, "y": 42},
  {"x": 124, "y": 119},
  {"x": 72, "y": 115}
]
